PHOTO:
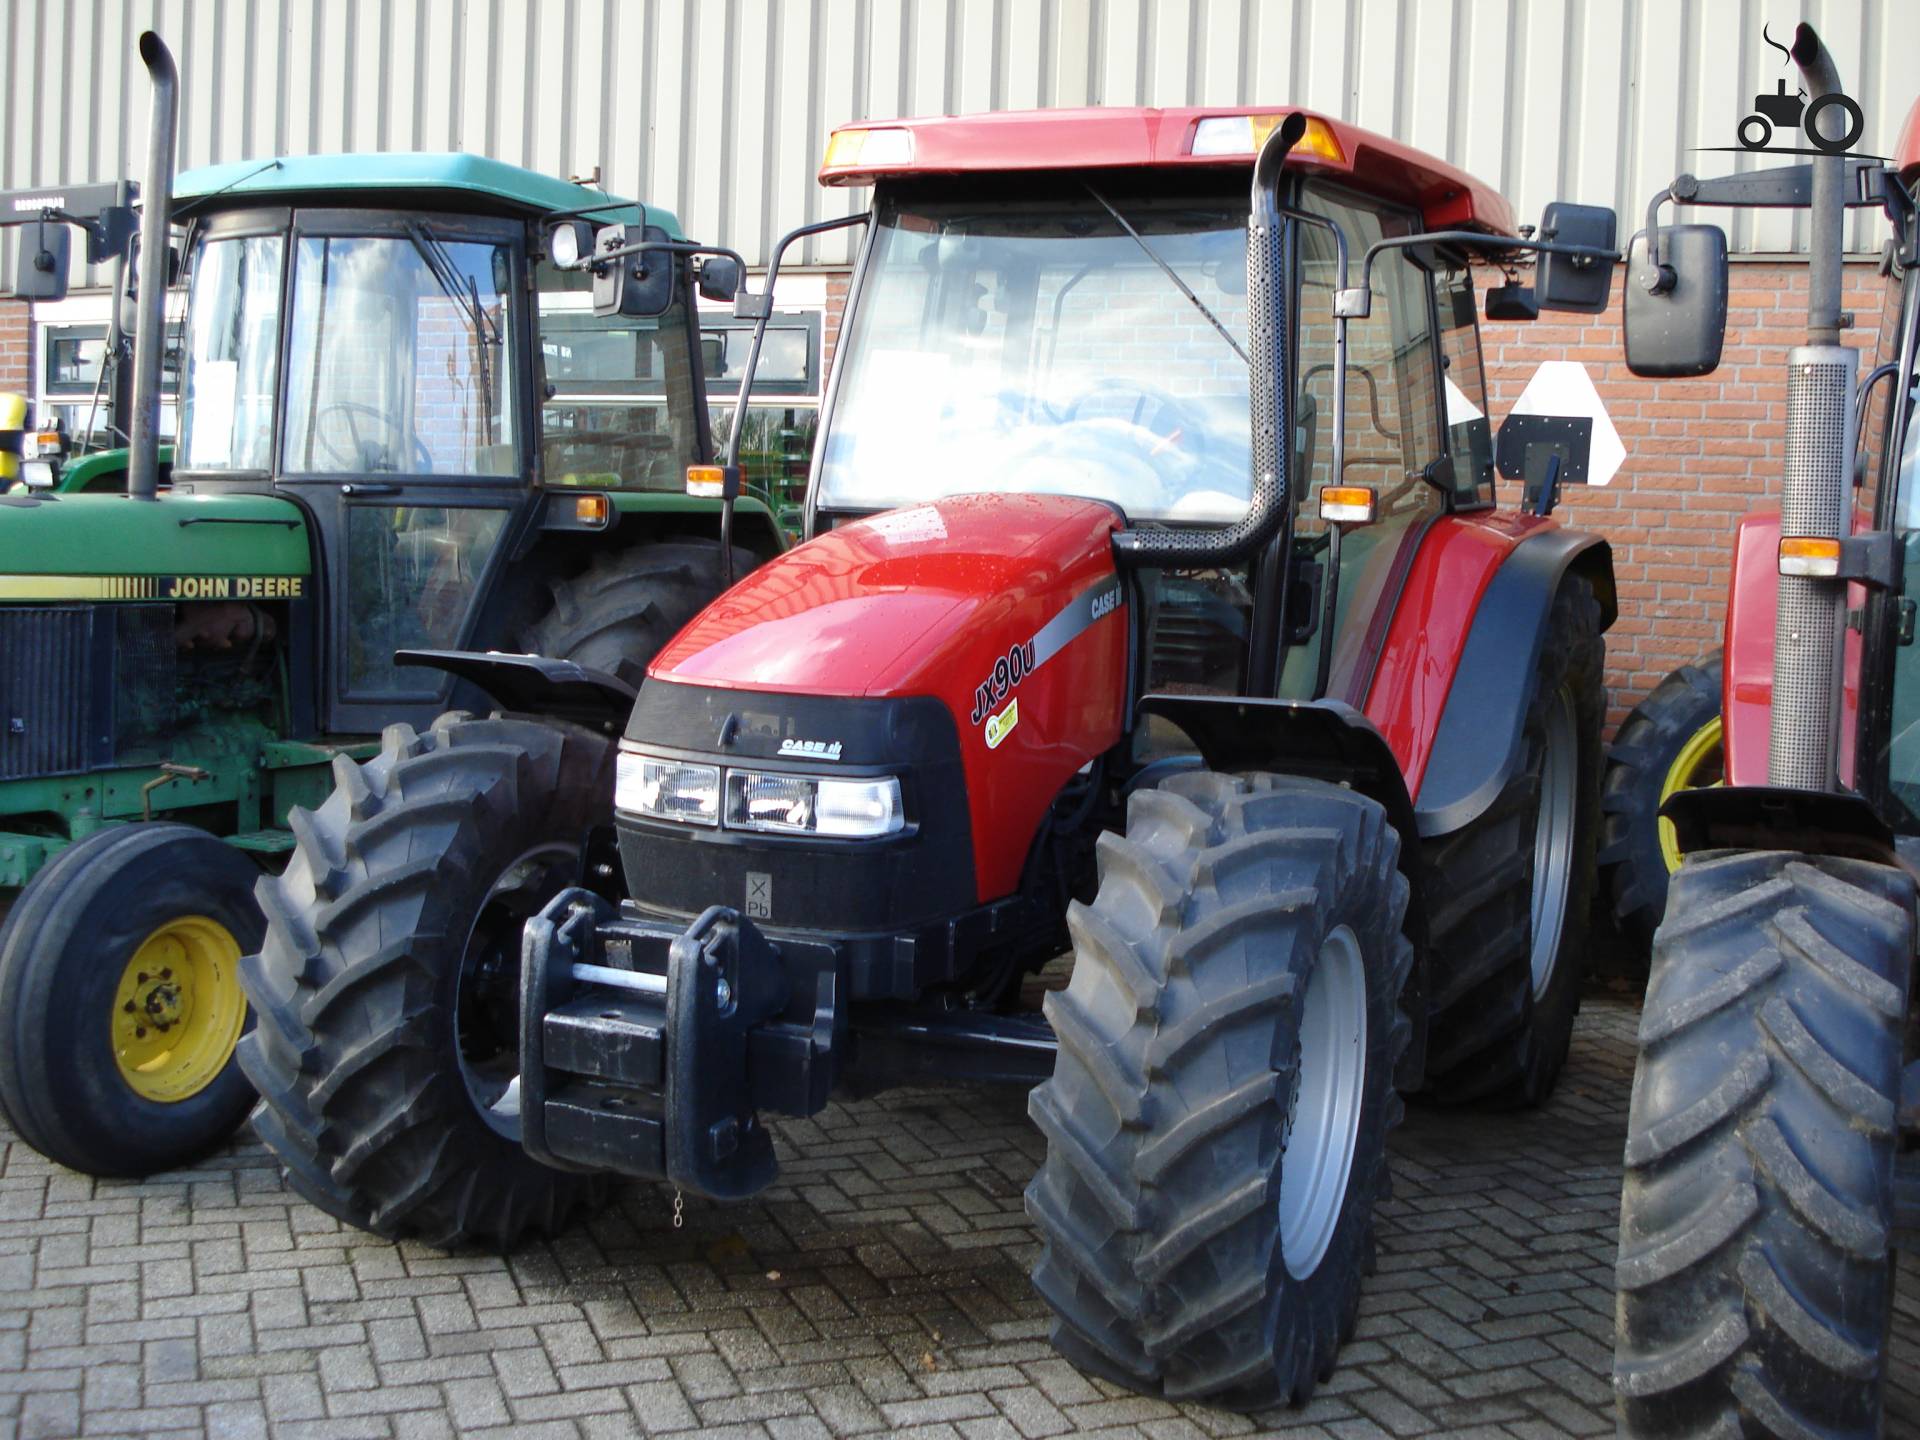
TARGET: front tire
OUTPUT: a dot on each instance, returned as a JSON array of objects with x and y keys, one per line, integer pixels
[
  {"x": 1217, "y": 1118},
  {"x": 1509, "y": 893},
  {"x": 386, "y": 1056},
  {"x": 1755, "y": 1275},
  {"x": 120, "y": 991}
]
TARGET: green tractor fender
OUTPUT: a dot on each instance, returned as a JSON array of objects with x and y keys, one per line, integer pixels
[{"x": 92, "y": 546}]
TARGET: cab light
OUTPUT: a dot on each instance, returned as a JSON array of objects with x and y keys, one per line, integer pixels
[
  {"x": 809, "y": 805},
  {"x": 1245, "y": 134},
  {"x": 713, "y": 482},
  {"x": 592, "y": 509},
  {"x": 1346, "y": 504},
  {"x": 1811, "y": 556},
  {"x": 868, "y": 148},
  {"x": 666, "y": 789}
]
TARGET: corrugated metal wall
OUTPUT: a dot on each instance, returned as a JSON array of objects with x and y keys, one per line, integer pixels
[{"x": 720, "y": 108}]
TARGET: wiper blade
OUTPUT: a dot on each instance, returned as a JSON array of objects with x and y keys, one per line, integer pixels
[
  {"x": 447, "y": 276},
  {"x": 1166, "y": 269}
]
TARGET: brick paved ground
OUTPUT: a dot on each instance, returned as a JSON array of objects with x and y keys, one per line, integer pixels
[{"x": 881, "y": 1287}]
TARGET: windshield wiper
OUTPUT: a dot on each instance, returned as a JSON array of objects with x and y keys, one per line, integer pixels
[
  {"x": 447, "y": 276},
  {"x": 1168, "y": 270}
]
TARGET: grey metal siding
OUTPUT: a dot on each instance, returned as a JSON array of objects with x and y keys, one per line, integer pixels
[{"x": 720, "y": 108}]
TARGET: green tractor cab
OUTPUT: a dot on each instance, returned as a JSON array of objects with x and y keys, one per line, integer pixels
[{"x": 400, "y": 426}]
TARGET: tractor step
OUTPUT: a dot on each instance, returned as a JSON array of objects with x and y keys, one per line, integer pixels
[{"x": 263, "y": 842}]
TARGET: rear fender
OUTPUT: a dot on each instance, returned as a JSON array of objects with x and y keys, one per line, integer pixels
[
  {"x": 1477, "y": 744},
  {"x": 1318, "y": 740}
]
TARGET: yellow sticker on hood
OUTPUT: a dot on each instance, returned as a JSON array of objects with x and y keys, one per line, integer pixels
[{"x": 1000, "y": 726}]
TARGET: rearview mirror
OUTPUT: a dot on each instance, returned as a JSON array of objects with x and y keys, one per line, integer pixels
[
  {"x": 637, "y": 284},
  {"x": 1580, "y": 283},
  {"x": 713, "y": 355},
  {"x": 719, "y": 277},
  {"x": 45, "y": 247},
  {"x": 1676, "y": 312},
  {"x": 1512, "y": 301},
  {"x": 129, "y": 305}
]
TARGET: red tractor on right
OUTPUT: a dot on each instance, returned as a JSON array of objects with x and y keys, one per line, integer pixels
[{"x": 1768, "y": 1162}]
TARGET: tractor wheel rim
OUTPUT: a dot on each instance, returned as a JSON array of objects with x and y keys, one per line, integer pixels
[
  {"x": 1323, "y": 1120},
  {"x": 486, "y": 1006},
  {"x": 1553, "y": 827},
  {"x": 1702, "y": 761},
  {"x": 178, "y": 1010}
]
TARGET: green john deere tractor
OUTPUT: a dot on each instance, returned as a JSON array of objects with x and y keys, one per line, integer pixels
[{"x": 400, "y": 425}]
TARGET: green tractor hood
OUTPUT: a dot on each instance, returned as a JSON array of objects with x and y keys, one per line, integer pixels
[{"x": 179, "y": 547}]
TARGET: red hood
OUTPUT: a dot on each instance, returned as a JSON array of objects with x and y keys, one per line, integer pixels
[{"x": 890, "y": 604}]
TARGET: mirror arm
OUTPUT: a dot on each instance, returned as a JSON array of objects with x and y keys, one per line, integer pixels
[{"x": 1360, "y": 305}]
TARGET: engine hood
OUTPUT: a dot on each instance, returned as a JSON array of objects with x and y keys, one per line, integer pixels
[{"x": 891, "y": 604}]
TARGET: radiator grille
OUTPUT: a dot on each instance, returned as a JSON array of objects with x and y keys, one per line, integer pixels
[{"x": 46, "y": 690}]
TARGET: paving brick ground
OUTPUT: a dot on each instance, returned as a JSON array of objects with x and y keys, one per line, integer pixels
[{"x": 880, "y": 1288}]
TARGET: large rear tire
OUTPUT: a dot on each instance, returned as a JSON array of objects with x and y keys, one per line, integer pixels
[
  {"x": 1509, "y": 894},
  {"x": 1217, "y": 1118},
  {"x": 120, "y": 992},
  {"x": 386, "y": 1055},
  {"x": 626, "y": 604},
  {"x": 1671, "y": 741},
  {"x": 1755, "y": 1275}
]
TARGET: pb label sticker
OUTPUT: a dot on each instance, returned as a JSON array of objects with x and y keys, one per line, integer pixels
[
  {"x": 1000, "y": 726},
  {"x": 759, "y": 895}
]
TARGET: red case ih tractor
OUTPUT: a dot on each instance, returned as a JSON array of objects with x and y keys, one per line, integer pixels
[
  {"x": 1766, "y": 1165},
  {"x": 1284, "y": 728}
]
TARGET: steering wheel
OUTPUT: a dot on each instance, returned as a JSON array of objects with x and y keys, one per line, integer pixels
[
  {"x": 361, "y": 456},
  {"x": 1176, "y": 424}
]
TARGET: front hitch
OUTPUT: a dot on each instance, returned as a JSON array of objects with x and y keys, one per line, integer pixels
[{"x": 648, "y": 1050}]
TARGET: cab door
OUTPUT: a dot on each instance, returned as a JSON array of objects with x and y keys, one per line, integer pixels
[{"x": 405, "y": 377}]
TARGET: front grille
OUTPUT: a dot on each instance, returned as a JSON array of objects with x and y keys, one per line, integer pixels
[
  {"x": 82, "y": 685},
  {"x": 46, "y": 691}
]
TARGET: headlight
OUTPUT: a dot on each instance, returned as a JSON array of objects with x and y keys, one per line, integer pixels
[
  {"x": 805, "y": 805},
  {"x": 667, "y": 789}
]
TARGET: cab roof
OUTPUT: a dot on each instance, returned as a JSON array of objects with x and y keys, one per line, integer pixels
[
  {"x": 1124, "y": 137},
  {"x": 472, "y": 179}
]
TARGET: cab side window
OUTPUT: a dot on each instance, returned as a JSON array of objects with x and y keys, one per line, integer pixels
[{"x": 1464, "y": 383}]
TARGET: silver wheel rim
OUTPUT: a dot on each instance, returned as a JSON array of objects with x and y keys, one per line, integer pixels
[
  {"x": 493, "y": 1082},
  {"x": 1323, "y": 1120},
  {"x": 1553, "y": 839}
]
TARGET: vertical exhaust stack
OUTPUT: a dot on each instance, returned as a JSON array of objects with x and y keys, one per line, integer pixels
[
  {"x": 150, "y": 338},
  {"x": 1804, "y": 724}
]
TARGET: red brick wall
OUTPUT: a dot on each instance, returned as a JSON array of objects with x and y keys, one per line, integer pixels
[
  {"x": 13, "y": 347},
  {"x": 1700, "y": 453}
]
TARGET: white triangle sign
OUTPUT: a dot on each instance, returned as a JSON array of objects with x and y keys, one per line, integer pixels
[{"x": 1563, "y": 387}]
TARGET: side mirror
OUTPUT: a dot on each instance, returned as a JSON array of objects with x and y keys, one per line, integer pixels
[
  {"x": 45, "y": 248},
  {"x": 129, "y": 304},
  {"x": 637, "y": 284},
  {"x": 1580, "y": 283},
  {"x": 713, "y": 355},
  {"x": 719, "y": 277},
  {"x": 1512, "y": 301},
  {"x": 568, "y": 242},
  {"x": 1676, "y": 312}
]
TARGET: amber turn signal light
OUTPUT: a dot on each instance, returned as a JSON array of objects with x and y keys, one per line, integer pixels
[
  {"x": 592, "y": 509},
  {"x": 1809, "y": 555},
  {"x": 1346, "y": 504},
  {"x": 713, "y": 482}
]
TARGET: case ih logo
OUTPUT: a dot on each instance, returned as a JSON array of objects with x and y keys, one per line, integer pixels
[{"x": 811, "y": 749}]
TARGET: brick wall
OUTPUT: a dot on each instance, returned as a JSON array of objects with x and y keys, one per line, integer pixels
[
  {"x": 1700, "y": 453},
  {"x": 14, "y": 368}
]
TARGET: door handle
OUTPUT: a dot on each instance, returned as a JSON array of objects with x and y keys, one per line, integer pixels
[{"x": 369, "y": 487}]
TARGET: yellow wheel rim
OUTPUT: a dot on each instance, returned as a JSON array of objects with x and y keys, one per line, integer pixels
[
  {"x": 1701, "y": 761},
  {"x": 179, "y": 1009}
]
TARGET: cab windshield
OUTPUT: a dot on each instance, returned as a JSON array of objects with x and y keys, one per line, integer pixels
[
  {"x": 1039, "y": 347},
  {"x": 399, "y": 356}
]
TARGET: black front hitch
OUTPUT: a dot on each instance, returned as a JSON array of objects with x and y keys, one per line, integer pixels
[{"x": 649, "y": 1050}]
